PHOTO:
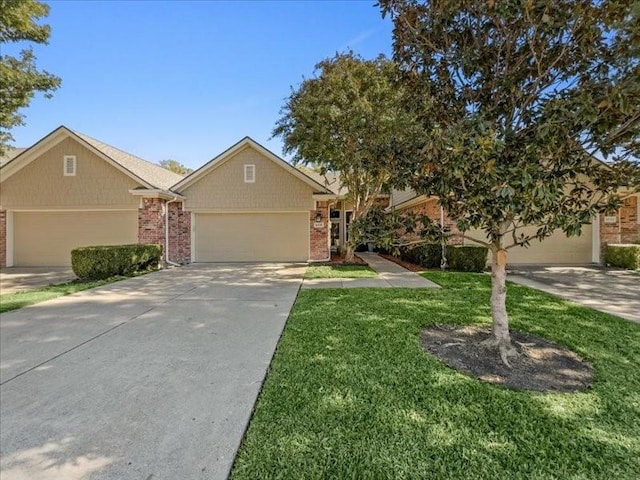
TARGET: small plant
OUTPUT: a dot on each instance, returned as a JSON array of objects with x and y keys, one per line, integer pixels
[
  {"x": 623, "y": 256},
  {"x": 99, "y": 262}
]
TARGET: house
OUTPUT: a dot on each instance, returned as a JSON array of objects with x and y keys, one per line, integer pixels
[
  {"x": 247, "y": 204},
  {"x": 624, "y": 227}
]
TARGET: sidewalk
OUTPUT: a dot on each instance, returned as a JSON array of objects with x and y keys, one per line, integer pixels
[{"x": 390, "y": 275}]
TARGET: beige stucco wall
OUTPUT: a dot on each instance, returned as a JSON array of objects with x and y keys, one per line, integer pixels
[
  {"x": 223, "y": 187},
  {"x": 41, "y": 184},
  {"x": 234, "y": 237}
]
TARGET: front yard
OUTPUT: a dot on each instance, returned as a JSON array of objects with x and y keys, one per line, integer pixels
[
  {"x": 339, "y": 271},
  {"x": 352, "y": 395}
]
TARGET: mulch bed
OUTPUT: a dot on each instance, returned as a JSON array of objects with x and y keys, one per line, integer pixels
[
  {"x": 541, "y": 365},
  {"x": 408, "y": 265},
  {"x": 337, "y": 259}
]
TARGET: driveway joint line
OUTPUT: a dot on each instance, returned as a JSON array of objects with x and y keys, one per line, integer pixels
[{"x": 93, "y": 338}]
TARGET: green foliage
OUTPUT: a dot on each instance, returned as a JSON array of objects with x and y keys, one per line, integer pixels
[
  {"x": 19, "y": 78},
  {"x": 460, "y": 258},
  {"x": 466, "y": 258},
  {"x": 350, "y": 118},
  {"x": 175, "y": 167},
  {"x": 623, "y": 256},
  {"x": 351, "y": 395},
  {"x": 514, "y": 98},
  {"x": 91, "y": 263}
]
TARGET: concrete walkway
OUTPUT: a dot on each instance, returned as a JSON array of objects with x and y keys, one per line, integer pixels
[
  {"x": 609, "y": 290},
  {"x": 390, "y": 275},
  {"x": 15, "y": 279},
  {"x": 153, "y": 377}
]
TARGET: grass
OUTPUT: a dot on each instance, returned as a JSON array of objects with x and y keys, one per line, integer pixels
[
  {"x": 351, "y": 394},
  {"x": 14, "y": 301},
  {"x": 339, "y": 271}
]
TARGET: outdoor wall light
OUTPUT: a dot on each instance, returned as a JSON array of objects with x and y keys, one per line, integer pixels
[{"x": 318, "y": 217}]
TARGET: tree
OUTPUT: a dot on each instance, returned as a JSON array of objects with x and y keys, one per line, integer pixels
[
  {"x": 349, "y": 119},
  {"x": 19, "y": 77},
  {"x": 175, "y": 166},
  {"x": 516, "y": 98}
]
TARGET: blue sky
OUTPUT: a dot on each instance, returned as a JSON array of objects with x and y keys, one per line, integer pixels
[{"x": 187, "y": 79}]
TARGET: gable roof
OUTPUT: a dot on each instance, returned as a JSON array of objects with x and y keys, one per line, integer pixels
[
  {"x": 196, "y": 175},
  {"x": 148, "y": 174},
  {"x": 330, "y": 180},
  {"x": 9, "y": 154}
]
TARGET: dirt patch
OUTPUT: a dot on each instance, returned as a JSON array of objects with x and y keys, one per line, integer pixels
[
  {"x": 541, "y": 365},
  {"x": 408, "y": 265}
]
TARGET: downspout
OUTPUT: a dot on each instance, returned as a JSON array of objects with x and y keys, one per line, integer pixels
[{"x": 166, "y": 233}]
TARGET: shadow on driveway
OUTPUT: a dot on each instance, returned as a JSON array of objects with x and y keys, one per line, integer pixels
[{"x": 15, "y": 279}]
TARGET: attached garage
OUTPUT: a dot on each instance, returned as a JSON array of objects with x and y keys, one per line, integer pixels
[
  {"x": 251, "y": 237},
  {"x": 556, "y": 249},
  {"x": 47, "y": 238}
]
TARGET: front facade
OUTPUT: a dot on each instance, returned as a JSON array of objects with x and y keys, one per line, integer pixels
[
  {"x": 247, "y": 204},
  {"x": 623, "y": 227}
]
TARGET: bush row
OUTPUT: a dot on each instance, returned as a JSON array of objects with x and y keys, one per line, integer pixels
[
  {"x": 462, "y": 258},
  {"x": 99, "y": 262},
  {"x": 623, "y": 256}
]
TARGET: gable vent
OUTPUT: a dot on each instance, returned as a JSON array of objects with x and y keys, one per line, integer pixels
[
  {"x": 69, "y": 165},
  {"x": 249, "y": 174}
]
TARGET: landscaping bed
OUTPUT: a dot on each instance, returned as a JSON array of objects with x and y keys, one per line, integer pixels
[{"x": 352, "y": 394}]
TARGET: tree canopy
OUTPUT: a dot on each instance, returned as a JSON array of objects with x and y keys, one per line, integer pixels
[
  {"x": 350, "y": 118},
  {"x": 519, "y": 102},
  {"x": 19, "y": 77},
  {"x": 175, "y": 166}
]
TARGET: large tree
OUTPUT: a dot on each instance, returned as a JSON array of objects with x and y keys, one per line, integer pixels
[
  {"x": 349, "y": 119},
  {"x": 19, "y": 77},
  {"x": 175, "y": 166},
  {"x": 517, "y": 97}
]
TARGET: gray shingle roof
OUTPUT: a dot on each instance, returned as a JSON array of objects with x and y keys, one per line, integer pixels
[
  {"x": 10, "y": 154},
  {"x": 151, "y": 173},
  {"x": 330, "y": 180}
]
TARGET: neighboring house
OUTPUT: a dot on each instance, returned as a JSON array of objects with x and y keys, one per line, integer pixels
[
  {"x": 247, "y": 204},
  {"x": 624, "y": 227}
]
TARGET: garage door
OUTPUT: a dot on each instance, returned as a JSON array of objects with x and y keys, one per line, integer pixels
[
  {"x": 46, "y": 239},
  {"x": 251, "y": 237},
  {"x": 556, "y": 249}
]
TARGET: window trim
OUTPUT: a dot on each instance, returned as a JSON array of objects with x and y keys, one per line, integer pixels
[
  {"x": 65, "y": 172},
  {"x": 249, "y": 167}
]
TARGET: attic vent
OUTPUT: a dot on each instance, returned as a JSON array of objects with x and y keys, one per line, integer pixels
[
  {"x": 249, "y": 174},
  {"x": 69, "y": 166}
]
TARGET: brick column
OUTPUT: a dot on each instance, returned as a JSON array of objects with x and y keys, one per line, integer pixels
[
  {"x": 179, "y": 234},
  {"x": 319, "y": 237},
  {"x": 626, "y": 228},
  {"x": 151, "y": 221},
  {"x": 3, "y": 238}
]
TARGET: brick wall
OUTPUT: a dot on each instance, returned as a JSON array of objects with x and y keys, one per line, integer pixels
[
  {"x": 319, "y": 237},
  {"x": 626, "y": 228},
  {"x": 151, "y": 221},
  {"x": 179, "y": 234},
  {"x": 3, "y": 238},
  {"x": 431, "y": 209}
]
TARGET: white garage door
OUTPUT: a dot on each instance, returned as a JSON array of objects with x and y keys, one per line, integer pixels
[
  {"x": 47, "y": 238},
  {"x": 251, "y": 237},
  {"x": 556, "y": 249}
]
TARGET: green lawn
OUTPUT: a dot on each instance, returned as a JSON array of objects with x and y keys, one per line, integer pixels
[
  {"x": 339, "y": 271},
  {"x": 352, "y": 395},
  {"x": 13, "y": 301}
]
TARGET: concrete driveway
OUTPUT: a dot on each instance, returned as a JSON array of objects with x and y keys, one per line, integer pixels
[
  {"x": 153, "y": 377},
  {"x": 29, "y": 278},
  {"x": 608, "y": 290}
]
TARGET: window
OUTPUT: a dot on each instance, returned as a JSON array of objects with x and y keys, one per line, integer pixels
[
  {"x": 249, "y": 174},
  {"x": 69, "y": 166}
]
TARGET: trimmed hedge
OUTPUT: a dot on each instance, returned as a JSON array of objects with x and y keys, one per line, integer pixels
[
  {"x": 462, "y": 258},
  {"x": 99, "y": 262},
  {"x": 623, "y": 256}
]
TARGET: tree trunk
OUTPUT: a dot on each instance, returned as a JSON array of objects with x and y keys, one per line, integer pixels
[
  {"x": 348, "y": 252},
  {"x": 501, "y": 336}
]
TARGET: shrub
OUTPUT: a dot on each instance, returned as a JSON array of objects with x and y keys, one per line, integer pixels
[
  {"x": 467, "y": 258},
  {"x": 426, "y": 255},
  {"x": 623, "y": 256},
  {"x": 99, "y": 262}
]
